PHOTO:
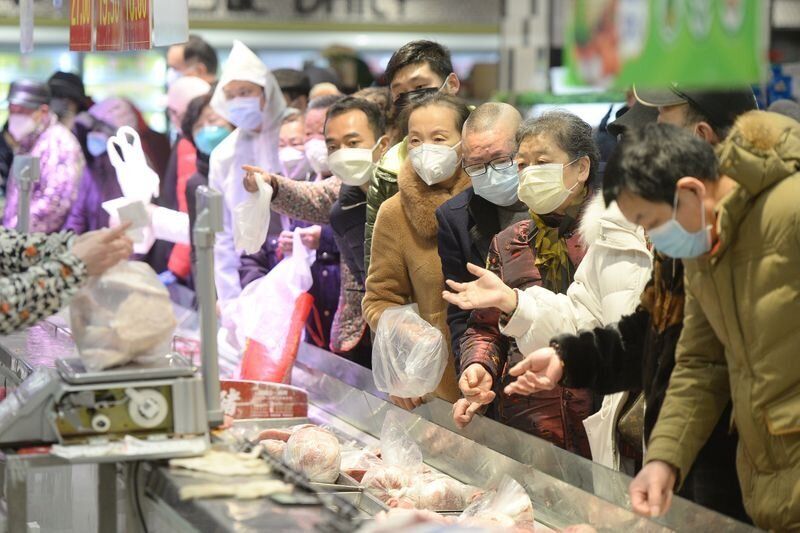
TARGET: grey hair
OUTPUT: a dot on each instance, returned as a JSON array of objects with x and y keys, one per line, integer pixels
[
  {"x": 489, "y": 115},
  {"x": 324, "y": 102},
  {"x": 571, "y": 134}
]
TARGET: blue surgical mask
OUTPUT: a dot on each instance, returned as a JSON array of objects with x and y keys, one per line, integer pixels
[
  {"x": 245, "y": 112},
  {"x": 673, "y": 240},
  {"x": 96, "y": 143},
  {"x": 498, "y": 186},
  {"x": 209, "y": 137}
]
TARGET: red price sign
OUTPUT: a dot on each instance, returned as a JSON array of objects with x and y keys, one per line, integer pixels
[
  {"x": 137, "y": 24},
  {"x": 109, "y": 25},
  {"x": 80, "y": 25}
]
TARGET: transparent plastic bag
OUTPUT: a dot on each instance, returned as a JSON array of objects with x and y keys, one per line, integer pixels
[
  {"x": 123, "y": 315},
  {"x": 402, "y": 460},
  {"x": 506, "y": 506},
  {"x": 315, "y": 452},
  {"x": 436, "y": 492},
  {"x": 251, "y": 219},
  {"x": 136, "y": 179},
  {"x": 409, "y": 355}
]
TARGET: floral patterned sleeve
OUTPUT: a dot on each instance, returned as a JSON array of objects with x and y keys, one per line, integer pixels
[
  {"x": 40, "y": 275},
  {"x": 306, "y": 200}
]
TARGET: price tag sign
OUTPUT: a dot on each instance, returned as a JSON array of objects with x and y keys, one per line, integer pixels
[
  {"x": 109, "y": 25},
  {"x": 80, "y": 25},
  {"x": 138, "y": 26}
]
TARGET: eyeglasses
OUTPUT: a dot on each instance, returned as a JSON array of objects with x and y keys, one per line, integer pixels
[{"x": 501, "y": 163}]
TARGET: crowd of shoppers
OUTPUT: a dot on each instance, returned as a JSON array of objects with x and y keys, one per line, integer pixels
[{"x": 628, "y": 293}]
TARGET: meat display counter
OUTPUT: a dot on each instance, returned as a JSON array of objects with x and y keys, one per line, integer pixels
[{"x": 565, "y": 489}]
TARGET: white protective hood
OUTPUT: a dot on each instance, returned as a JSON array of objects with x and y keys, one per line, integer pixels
[{"x": 241, "y": 148}]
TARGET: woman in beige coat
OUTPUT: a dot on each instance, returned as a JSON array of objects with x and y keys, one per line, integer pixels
[{"x": 405, "y": 265}]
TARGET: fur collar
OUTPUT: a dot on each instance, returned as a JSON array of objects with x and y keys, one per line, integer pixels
[{"x": 420, "y": 201}]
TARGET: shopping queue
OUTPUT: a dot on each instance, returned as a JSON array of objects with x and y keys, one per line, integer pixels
[{"x": 637, "y": 311}]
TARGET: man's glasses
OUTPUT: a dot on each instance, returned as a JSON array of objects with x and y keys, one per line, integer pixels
[{"x": 501, "y": 163}]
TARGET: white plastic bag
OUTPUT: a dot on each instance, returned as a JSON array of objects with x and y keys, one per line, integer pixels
[
  {"x": 507, "y": 506},
  {"x": 402, "y": 460},
  {"x": 409, "y": 355},
  {"x": 251, "y": 219},
  {"x": 263, "y": 311},
  {"x": 123, "y": 315},
  {"x": 315, "y": 452},
  {"x": 136, "y": 179}
]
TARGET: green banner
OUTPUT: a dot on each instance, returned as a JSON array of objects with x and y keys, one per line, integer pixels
[{"x": 701, "y": 43}]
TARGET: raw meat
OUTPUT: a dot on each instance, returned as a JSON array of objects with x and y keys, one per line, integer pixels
[
  {"x": 440, "y": 493},
  {"x": 275, "y": 434},
  {"x": 580, "y": 528},
  {"x": 509, "y": 504},
  {"x": 315, "y": 452},
  {"x": 274, "y": 448},
  {"x": 384, "y": 482},
  {"x": 355, "y": 463}
]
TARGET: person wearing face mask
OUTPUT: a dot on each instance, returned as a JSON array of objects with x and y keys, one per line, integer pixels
[
  {"x": 644, "y": 343},
  {"x": 607, "y": 285},
  {"x": 417, "y": 69},
  {"x": 739, "y": 238},
  {"x": 406, "y": 267},
  {"x": 292, "y": 153},
  {"x": 469, "y": 221},
  {"x": 248, "y": 97},
  {"x": 557, "y": 161},
  {"x": 181, "y": 166},
  {"x": 99, "y": 181},
  {"x": 356, "y": 139},
  {"x": 206, "y": 130},
  {"x": 37, "y": 132},
  {"x": 68, "y": 97}
]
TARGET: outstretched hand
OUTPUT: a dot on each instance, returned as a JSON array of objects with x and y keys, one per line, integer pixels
[{"x": 485, "y": 292}]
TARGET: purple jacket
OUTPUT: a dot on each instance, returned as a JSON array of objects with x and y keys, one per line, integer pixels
[
  {"x": 98, "y": 184},
  {"x": 61, "y": 164}
]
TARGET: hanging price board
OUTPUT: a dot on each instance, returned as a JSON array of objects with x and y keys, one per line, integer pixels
[
  {"x": 80, "y": 25},
  {"x": 109, "y": 25},
  {"x": 137, "y": 15}
]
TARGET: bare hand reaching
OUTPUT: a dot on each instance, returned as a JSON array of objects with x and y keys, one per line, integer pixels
[
  {"x": 539, "y": 371},
  {"x": 651, "y": 490},
  {"x": 252, "y": 174},
  {"x": 102, "y": 249},
  {"x": 485, "y": 292}
]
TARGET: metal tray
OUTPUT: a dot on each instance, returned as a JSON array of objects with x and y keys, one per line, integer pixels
[{"x": 73, "y": 371}]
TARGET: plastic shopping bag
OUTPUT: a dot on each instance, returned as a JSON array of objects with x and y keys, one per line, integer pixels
[
  {"x": 136, "y": 179},
  {"x": 251, "y": 219},
  {"x": 409, "y": 355},
  {"x": 123, "y": 315},
  {"x": 402, "y": 461},
  {"x": 507, "y": 506},
  {"x": 270, "y": 313}
]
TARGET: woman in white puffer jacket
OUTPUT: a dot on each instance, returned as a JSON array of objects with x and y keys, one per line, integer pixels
[{"x": 607, "y": 285}]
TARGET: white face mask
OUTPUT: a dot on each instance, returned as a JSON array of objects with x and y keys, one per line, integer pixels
[
  {"x": 293, "y": 163},
  {"x": 20, "y": 126},
  {"x": 542, "y": 189},
  {"x": 317, "y": 155},
  {"x": 435, "y": 163},
  {"x": 353, "y": 166}
]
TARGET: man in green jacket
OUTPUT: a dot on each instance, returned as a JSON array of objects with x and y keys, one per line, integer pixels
[
  {"x": 416, "y": 69},
  {"x": 739, "y": 235}
]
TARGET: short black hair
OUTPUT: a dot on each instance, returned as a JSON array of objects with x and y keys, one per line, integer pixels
[
  {"x": 572, "y": 134},
  {"x": 294, "y": 83},
  {"x": 650, "y": 160},
  {"x": 324, "y": 102},
  {"x": 434, "y": 54},
  {"x": 377, "y": 122},
  {"x": 436, "y": 99},
  {"x": 192, "y": 115},
  {"x": 197, "y": 49}
]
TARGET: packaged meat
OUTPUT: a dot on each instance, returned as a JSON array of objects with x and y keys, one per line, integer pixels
[
  {"x": 274, "y": 448},
  {"x": 315, "y": 452},
  {"x": 508, "y": 504},
  {"x": 355, "y": 463},
  {"x": 437, "y": 492},
  {"x": 387, "y": 482},
  {"x": 409, "y": 355},
  {"x": 123, "y": 315}
]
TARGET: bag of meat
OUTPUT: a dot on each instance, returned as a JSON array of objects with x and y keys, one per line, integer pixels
[
  {"x": 402, "y": 461},
  {"x": 121, "y": 316},
  {"x": 408, "y": 355},
  {"x": 506, "y": 506},
  {"x": 436, "y": 492},
  {"x": 315, "y": 452}
]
